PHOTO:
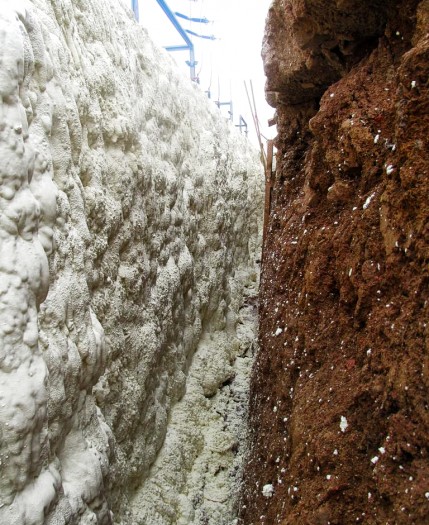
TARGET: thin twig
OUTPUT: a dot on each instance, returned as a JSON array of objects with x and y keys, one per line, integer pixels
[{"x": 254, "y": 117}]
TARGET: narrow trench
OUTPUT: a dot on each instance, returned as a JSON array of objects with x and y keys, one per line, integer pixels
[
  {"x": 197, "y": 474},
  {"x": 132, "y": 387},
  {"x": 131, "y": 220}
]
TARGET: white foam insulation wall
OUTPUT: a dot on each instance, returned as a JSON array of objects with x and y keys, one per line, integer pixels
[{"x": 129, "y": 218}]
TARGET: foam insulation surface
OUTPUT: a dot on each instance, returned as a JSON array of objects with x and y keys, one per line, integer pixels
[{"x": 129, "y": 219}]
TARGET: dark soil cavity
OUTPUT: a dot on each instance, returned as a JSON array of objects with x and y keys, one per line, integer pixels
[{"x": 340, "y": 391}]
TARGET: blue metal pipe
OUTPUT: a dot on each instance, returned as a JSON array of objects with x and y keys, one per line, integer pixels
[
  {"x": 176, "y": 48},
  {"x": 182, "y": 33},
  {"x": 175, "y": 23},
  {"x": 231, "y": 113},
  {"x": 242, "y": 124},
  {"x": 196, "y": 20},
  {"x": 135, "y": 6}
]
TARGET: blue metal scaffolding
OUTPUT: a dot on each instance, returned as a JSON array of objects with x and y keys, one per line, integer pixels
[
  {"x": 242, "y": 124},
  {"x": 188, "y": 43},
  {"x": 135, "y": 6}
]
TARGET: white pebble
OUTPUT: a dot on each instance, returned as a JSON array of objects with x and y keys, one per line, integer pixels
[{"x": 268, "y": 490}]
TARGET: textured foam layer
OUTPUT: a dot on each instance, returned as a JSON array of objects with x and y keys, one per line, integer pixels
[{"x": 129, "y": 227}]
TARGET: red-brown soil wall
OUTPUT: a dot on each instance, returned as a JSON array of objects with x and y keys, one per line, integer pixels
[{"x": 340, "y": 389}]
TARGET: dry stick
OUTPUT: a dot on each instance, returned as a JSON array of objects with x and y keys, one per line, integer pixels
[
  {"x": 268, "y": 187},
  {"x": 256, "y": 117},
  {"x": 256, "y": 122},
  {"x": 251, "y": 108},
  {"x": 257, "y": 129}
]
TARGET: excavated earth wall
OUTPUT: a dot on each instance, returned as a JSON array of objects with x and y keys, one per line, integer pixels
[
  {"x": 340, "y": 389},
  {"x": 129, "y": 226}
]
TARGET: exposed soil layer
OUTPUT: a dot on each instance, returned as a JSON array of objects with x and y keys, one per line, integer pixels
[{"x": 340, "y": 391}]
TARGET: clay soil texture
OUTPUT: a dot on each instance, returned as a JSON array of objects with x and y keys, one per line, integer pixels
[{"x": 340, "y": 389}]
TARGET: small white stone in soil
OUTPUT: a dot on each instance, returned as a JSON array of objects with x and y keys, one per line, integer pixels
[{"x": 268, "y": 490}]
